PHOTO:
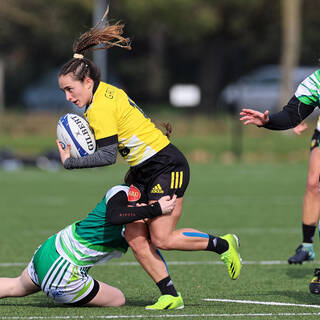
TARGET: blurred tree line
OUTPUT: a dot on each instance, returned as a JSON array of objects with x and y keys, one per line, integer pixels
[{"x": 206, "y": 42}]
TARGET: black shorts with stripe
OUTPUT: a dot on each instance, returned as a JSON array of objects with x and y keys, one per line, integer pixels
[
  {"x": 315, "y": 140},
  {"x": 165, "y": 173}
]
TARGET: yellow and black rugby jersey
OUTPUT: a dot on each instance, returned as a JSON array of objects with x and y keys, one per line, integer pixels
[{"x": 112, "y": 112}]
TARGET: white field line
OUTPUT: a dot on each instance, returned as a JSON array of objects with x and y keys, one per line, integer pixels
[
  {"x": 268, "y": 303},
  {"x": 170, "y": 263},
  {"x": 159, "y": 316},
  {"x": 191, "y": 316}
]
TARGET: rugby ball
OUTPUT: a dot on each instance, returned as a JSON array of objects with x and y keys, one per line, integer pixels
[{"x": 74, "y": 130}]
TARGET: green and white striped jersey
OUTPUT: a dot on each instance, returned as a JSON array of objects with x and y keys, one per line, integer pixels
[
  {"x": 308, "y": 92},
  {"x": 94, "y": 239}
]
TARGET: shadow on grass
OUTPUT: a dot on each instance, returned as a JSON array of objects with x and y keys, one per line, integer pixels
[
  {"x": 298, "y": 296},
  {"x": 43, "y": 302},
  {"x": 33, "y": 305},
  {"x": 299, "y": 272},
  {"x": 304, "y": 297},
  {"x": 139, "y": 303}
]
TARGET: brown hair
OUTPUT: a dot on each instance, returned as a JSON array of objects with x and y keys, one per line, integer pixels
[
  {"x": 108, "y": 35},
  {"x": 168, "y": 127}
]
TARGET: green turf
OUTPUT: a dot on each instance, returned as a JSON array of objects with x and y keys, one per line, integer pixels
[{"x": 261, "y": 203}]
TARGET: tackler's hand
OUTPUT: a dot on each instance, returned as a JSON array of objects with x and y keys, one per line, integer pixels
[
  {"x": 167, "y": 204},
  {"x": 300, "y": 128}
]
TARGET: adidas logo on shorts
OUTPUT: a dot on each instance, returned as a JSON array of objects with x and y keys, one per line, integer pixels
[{"x": 157, "y": 189}]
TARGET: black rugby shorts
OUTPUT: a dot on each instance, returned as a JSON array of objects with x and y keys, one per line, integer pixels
[
  {"x": 165, "y": 173},
  {"x": 315, "y": 140}
]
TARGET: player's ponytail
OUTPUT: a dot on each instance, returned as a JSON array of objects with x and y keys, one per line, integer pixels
[{"x": 103, "y": 34}]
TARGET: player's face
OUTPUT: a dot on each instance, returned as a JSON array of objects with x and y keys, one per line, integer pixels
[{"x": 79, "y": 93}]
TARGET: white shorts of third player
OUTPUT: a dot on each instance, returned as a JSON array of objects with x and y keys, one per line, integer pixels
[{"x": 64, "y": 281}]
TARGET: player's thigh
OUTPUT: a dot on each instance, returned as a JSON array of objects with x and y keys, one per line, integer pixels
[
  {"x": 107, "y": 296},
  {"x": 314, "y": 167},
  {"x": 20, "y": 286},
  {"x": 26, "y": 284},
  {"x": 136, "y": 234},
  {"x": 162, "y": 227}
]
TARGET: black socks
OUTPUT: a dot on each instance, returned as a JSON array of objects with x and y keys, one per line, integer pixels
[
  {"x": 308, "y": 233},
  {"x": 166, "y": 286},
  {"x": 217, "y": 244}
]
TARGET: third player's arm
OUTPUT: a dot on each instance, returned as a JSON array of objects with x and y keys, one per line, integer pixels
[{"x": 290, "y": 116}]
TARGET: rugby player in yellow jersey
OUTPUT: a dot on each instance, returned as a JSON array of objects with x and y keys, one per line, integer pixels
[{"x": 157, "y": 167}]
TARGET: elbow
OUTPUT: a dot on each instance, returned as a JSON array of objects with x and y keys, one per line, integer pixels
[
  {"x": 113, "y": 156},
  {"x": 110, "y": 161}
]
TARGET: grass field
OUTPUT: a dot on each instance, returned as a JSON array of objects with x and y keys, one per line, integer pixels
[{"x": 261, "y": 203}]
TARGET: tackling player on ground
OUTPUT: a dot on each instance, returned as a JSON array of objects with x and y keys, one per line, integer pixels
[{"x": 61, "y": 264}]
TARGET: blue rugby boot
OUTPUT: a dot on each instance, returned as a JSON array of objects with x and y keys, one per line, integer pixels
[{"x": 303, "y": 253}]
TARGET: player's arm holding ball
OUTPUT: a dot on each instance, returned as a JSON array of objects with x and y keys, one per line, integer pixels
[
  {"x": 104, "y": 156},
  {"x": 77, "y": 145}
]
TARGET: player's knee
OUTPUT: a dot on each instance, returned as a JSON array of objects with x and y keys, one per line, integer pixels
[
  {"x": 312, "y": 185},
  {"x": 108, "y": 296},
  {"x": 137, "y": 236},
  {"x": 118, "y": 300},
  {"x": 162, "y": 243},
  {"x": 138, "y": 244},
  {"x": 121, "y": 301}
]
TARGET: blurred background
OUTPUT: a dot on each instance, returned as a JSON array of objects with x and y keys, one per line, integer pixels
[{"x": 195, "y": 63}]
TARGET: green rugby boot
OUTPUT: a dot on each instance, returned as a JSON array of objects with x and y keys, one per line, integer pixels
[
  {"x": 167, "y": 301},
  {"x": 231, "y": 257}
]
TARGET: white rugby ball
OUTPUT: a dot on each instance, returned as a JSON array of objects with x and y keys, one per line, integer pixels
[{"x": 74, "y": 130}]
